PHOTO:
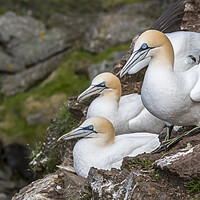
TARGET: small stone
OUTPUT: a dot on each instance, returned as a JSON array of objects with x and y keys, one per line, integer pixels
[{"x": 58, "y": 187}]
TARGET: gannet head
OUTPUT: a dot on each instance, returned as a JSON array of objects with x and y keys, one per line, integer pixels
[
  {"x": 103, "y": 83},
  {"x": 98, "y": 128},
  {"x": 150, "y": 44}
]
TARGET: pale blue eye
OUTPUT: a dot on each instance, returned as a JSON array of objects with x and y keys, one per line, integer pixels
[
  {"x": 90, "y": 127},
  {"x": 103, "y": 84},
  {"x": 144, "y": 46}
]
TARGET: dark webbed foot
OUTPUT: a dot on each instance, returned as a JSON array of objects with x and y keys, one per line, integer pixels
[{"x": 166, "y": 145}]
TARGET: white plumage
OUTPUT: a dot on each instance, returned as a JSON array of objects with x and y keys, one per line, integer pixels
[
  {"x": 101, "y": 149},
  {"x": 169, "y": 95}
]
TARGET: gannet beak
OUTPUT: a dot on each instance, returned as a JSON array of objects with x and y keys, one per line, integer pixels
[
  {"x": 136, "y": 57},
  {"x": 139, "y": 65},
  {"x": 93, "y": 89},
  {"x": 78, "y": 132}
]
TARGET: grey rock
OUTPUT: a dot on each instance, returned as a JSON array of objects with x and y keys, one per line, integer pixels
[
  {"x": 24, "y": 80},
  {"x": 10, "y": 64},
  {"x": 37, "y": 118},
  {"x": 41, "y": 48},
  {"x": 3, "y": 196},
  {"x": 117, "y": 27},
  {"x": 75, "y": 25},
  {"x": 183, "y": 163},
  {"x": 28, "y": 52},
  {"x": 43, "y": 116},
  {"x": 131, "y": 184},
  {"x": 191, "y": 19},
  {"x": 122, "y": 24},
  {"x": 95, "y": 69},
  {"x": 60, "y": 185},
  {"x": 14, "y": 29},
  {"x": 121, "y": 186},
  {"x": 105, "y": 66}
]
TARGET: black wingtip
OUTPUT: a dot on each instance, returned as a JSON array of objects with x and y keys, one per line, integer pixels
[{"x": 171, "y": 19}]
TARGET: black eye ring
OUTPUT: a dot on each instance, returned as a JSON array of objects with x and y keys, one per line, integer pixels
[
  {"x": 90, "y": 127},
  {"x": 103, "y": 84},
  {"x": 144, "y": 46}
]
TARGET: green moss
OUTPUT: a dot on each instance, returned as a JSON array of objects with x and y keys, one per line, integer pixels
[
  {"x": 155, "y": 174},
  {"x": 132, "y": 164},
  {"x": 65, "y": 122},
  {"x": 3, "y": 10},
  {"x": 36, "y": 152},
  {"x": 193, "y": 186},
  {"x": 45, "y": 158},
  {"x": 144, "y": 163}
]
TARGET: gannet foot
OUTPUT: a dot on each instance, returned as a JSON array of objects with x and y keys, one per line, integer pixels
[
  {"x": 166, "y": 145},
  {"x": 169, "y": 130}
]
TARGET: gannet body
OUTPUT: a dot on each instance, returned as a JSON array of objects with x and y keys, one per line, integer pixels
[
  {"x": 171, "y": 96},
  {"x": 186, "y": 47},
  {"x": 127, "y": 114},
  {"x": 101, "y": 149}
]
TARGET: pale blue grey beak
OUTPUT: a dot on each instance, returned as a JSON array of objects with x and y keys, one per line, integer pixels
[
  {"x": 76, "y": 133},
  {"x": 134, "y": 61},
  {"x": 93, "y": 89}
]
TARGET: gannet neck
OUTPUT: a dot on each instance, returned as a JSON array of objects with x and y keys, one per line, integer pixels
[
  {"x": 114, "y": 94},
  {"x": 164, "y": 56}
]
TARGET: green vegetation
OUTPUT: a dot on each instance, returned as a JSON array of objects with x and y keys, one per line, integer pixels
[
  {"x": 15, "y": 109},
  {"x": 3, "y": 10},
  {"x": 144, "y": 163},
  {"x": 132, "y": 164},
  {"x": 193, "y": 186},
  {"x": 46, "y": 157},
  {"x": 155, "y": 174},
  {"x": 65, "y": 122}
]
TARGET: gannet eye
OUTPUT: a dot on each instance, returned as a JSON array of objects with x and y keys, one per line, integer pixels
[
  {"x": 144, "y": 46},
  {"x": 103, "y": 84},
  {"x": 90, "y": 127}
]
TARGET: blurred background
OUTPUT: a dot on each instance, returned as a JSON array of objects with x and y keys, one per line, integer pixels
[{"x": 49, "y": 51}]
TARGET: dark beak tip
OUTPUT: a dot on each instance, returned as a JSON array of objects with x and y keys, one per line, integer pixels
[
  {"x": 59, "y": 139},
  {"x": 121, "y": 74}
]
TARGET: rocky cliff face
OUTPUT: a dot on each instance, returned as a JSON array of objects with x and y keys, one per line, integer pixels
[
  {"x": 163, "y": 176},
  {"x": 29, "y": 52}
]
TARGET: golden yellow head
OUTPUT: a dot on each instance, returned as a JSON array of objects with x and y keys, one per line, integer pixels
[
  {"x": 152, "y": 45},
  {"x": 98, "y": 128},
  {"x": 105, "y": 83},
  {"x": 110, "y": 80}
]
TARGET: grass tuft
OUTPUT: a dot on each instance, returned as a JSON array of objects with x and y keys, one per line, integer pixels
[{"x": 193, "y": 186}]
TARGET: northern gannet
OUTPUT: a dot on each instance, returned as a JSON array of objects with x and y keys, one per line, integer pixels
[
  {"x": 101, "y": 149},
  {"x": 171, "y": 96},
  {"x": 126, "y": 113},
  {"x": 186, "y": 47}
]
